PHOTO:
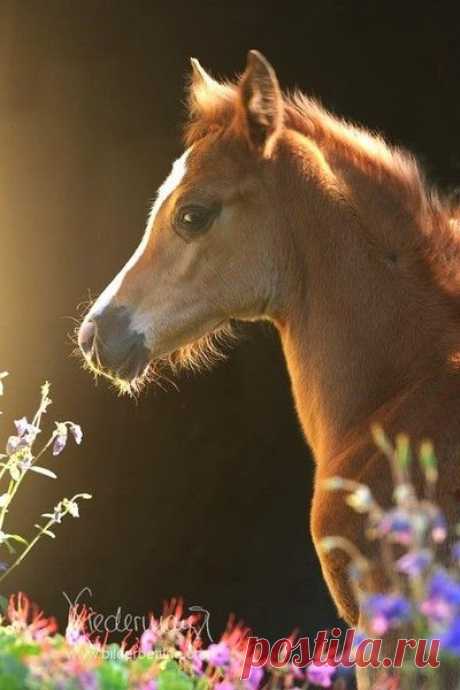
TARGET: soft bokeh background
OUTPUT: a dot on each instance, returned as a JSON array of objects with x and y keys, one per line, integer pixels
[{"x": 201, "y": 492}]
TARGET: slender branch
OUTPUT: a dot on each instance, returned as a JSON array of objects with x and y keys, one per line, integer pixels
[{"x": 42, "y": 531}]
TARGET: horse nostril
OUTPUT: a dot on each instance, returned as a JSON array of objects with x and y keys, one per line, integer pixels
[{"x": 86, "y": 336}]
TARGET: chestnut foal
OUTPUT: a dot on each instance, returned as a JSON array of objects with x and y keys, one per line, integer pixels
[{"x": 278, "y": 210}]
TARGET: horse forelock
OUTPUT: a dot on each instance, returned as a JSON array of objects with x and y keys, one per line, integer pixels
[{"x": 211, "y": 107}]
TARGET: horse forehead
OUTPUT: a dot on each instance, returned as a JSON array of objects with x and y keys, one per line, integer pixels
[
  {"x": 175, "y": 177},
  {"x": 200, "y": 165},
  {"x": 171, "y": 183},
  {"x": 193, "y": 164}
]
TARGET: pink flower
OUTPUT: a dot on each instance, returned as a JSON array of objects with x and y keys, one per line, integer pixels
[
  {"x": 255, "y": 678},
  {"x": 320, "y": 674},
  {"x": 76, "y": 625},
  {"x": 197, "y": 663},
  {"x": 217, "y": 654},
  {"x": 27, "y": 618},
  {"x": 148, "y": 641}
]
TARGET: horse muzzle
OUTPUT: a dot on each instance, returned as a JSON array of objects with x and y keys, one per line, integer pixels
[{"x": 110, "y": 344}]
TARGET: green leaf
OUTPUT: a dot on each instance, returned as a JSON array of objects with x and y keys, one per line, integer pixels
[
  {"x": 44, "y": 471},
  {"x": 22, "y": 649},
  {"x": 428, "y": 461},
  {"x": 113, "y": 676},
  {"x": 203, "y": 683},
  {"x": 403, "y": 452},
  {"x": 172, "y": 678},
  {"x": 18, "y": 538},
  {"x": 381, "y": 440},
  {"x": 13, "y": 674}
]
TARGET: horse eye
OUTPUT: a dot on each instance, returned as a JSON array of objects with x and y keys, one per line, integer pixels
[{"x": 194, "y": 219}]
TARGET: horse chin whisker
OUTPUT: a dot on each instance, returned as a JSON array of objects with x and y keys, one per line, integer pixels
[
  {"x": 155, "y": 374},
  {"x": 84, "y": 306},
  {"x": 201, "y": 354}
]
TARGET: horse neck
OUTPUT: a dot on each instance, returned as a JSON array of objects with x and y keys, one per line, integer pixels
[{"x": 356, "y": 332}]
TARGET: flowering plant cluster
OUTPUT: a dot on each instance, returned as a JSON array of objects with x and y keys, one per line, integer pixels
[
  {"x": 168, "y": 655},
  {"x": 19, "y": 461},
  {"x": 421, "y": 561},
  {"x": 423, "y": 597}
]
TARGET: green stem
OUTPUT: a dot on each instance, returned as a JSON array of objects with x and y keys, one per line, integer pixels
[
  {"x": 19, "y": 481},
  {"x": 21, "y": 557},
  {"x": 30, "y": 546}
]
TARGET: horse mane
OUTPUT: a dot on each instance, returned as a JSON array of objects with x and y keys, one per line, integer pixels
[
  {"x": 213, "y": 110},
  {"x": 437, "y": 217},
  {"x": 366, "y": 150}
]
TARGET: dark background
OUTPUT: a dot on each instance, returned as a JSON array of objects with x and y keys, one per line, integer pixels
[{"x": 202, "y": 492}]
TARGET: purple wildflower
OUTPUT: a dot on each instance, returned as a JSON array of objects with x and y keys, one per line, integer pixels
[
  {"x": 443, "y": 585},
  {"x": 148, "y": 640},
  {"x": 450, "y": 639},
  {"x": 197, "y": 663},
  {"x": 455, "y": 551},
  {"x": 77, "y": 433},
  {"x": 217, "y": 654},
  {"x": 296, "y": 672},
  {"x": 61, "y": 435},
  {"x": 60, "y": 439},
  {"x": 75, "y": 632},
  {"x": 59, "y": 444},
  {"x": 25, "y": 430},
  {"x": 21, "y": 425},
  {"x": 14, "y": 444},
  {"x": 225, "y": 685},
  {"x": 150, "y": 685},
  {"x": 255, "y": 677},
  {"x": 321, "y": 674},
  {"x": 443, "y": 597},
  {"x": 436, "y": 609},
  {"x": 386, "y": 611},
  {"x": 74, "y": 636},
  {"x": 414, "y": 562},
  {"x": 397, "y": 525},
  {"x": 439, "y": 528},
  {"x": 88, "y": 681}
]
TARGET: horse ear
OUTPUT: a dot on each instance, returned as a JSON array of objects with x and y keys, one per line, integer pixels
[
  {"x": 262, "y": 103},
  {"x": 200, "y": 77},
  {"x": 205, "y": 93}
]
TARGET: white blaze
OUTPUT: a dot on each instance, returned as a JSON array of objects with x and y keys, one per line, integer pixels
[{"x": 174, "y": 179}]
